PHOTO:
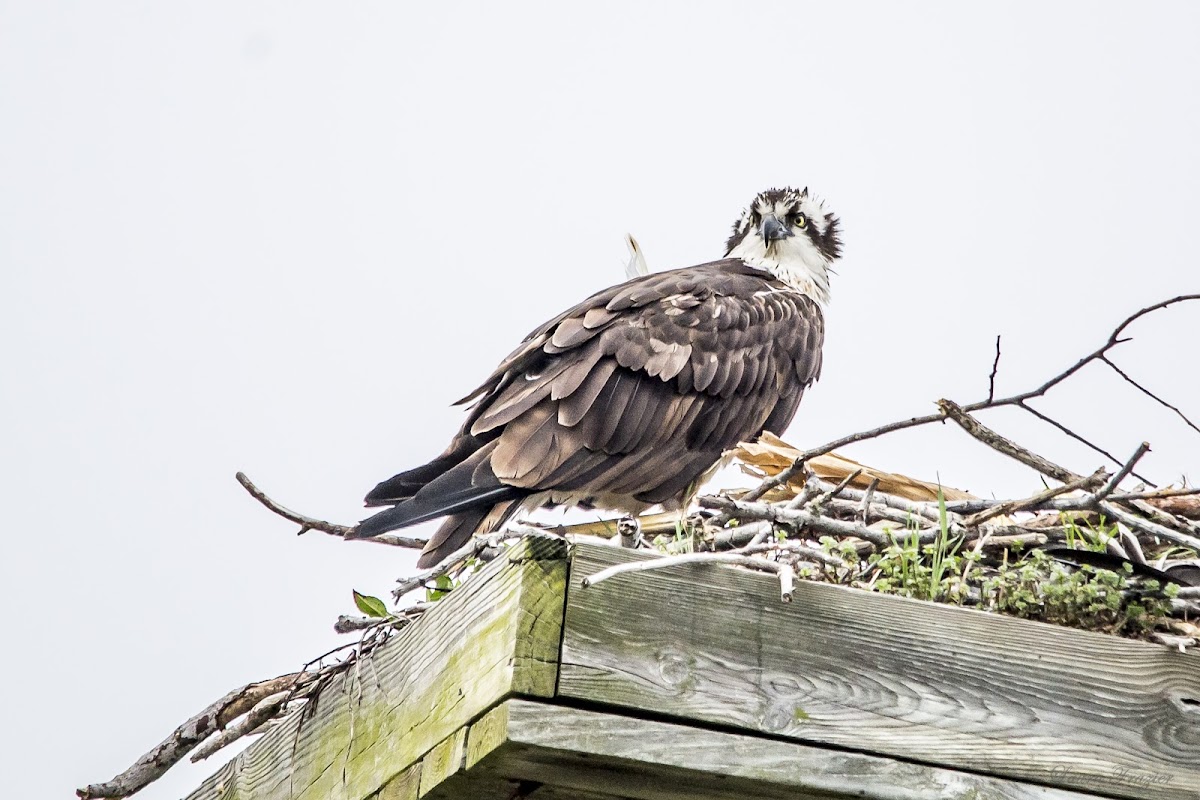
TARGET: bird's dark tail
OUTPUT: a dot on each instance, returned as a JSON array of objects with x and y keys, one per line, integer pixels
[
  {"x": 467, "y": 493},
  {"x": 458, "y": 529},
  {"x": 399, "y": 488}
]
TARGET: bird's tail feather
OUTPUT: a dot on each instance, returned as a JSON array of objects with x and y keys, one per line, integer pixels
[
  {"x": 400, "y": 487},
  {"x": 468, "y": 488},
  {"x": 458, "y": 529}
]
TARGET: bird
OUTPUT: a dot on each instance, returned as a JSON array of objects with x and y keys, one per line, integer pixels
[{"x": 629, "y": 399}]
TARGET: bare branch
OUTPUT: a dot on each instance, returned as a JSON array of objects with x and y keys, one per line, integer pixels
[
  {"x": 795, "y": 548},
  {"x": 868, "y": 496},
  {"x": 832, "y": 492},
  {"x": 443, "y": 567},
  {"x": 800, "y": 517},
  {"x": 1003, "y": 445},
  {"x": 784, "y": 571},
  {"x": 992, "y": 377},
  {"x": 187, "y": 736},
  {"x": 1162, "y": 494},
  {"x": 312, "y": 524},
  {"x": 1013, "y": 506},
  {"x": 1147, "y": 527},
  {"x": 811, "y": 488},
  {"x": 780, "y": 478},
  {"x": 1111, "y": 486},
  {"x": 1149, "y": 393},
  {"x": 266, "y": 709},
  {"x": 1063, "y": 428}
]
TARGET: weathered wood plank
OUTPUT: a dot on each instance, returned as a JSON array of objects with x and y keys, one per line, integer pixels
[
  {"x": 572, "y": 750},
  {"x": 443, "y": 760},
  {"x": 875, "y": 673},
  {"x": 405, "y": 786},
  {"x": 497, "y": 635}
]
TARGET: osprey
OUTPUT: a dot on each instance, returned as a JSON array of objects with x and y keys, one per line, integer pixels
[{"x": 629, "y": 399}]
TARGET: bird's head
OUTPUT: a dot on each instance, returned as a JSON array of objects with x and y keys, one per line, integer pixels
[{"x": 790, "y": 234}]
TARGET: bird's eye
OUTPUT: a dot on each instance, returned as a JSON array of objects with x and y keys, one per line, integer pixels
[{"x": 801, "y": 221}]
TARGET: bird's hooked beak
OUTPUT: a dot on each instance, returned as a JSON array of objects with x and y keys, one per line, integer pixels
[{"x": 773, "y": 230}]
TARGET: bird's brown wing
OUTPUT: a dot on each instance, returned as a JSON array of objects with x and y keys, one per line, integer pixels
[{"x": 639, "y": 389}]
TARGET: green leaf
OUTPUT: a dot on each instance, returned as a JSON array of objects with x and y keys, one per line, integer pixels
[
  {"x": 441, "y": 587},
  {"x": 371, "y": 606}
]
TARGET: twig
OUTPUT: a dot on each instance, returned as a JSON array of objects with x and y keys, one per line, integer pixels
[
  {"x": 1003, "y": 445},
  {"x": 1013, "y": 506},
  {"x": 868, "y": 496},
  {"x": 266, "y": 709},
  {"x": 1132, "y": 545},
  {"x": 736, "y": 559},
  {"x": 829, "y": 494},
  {"x": 1180, "y": 643},
  {"x": 778, "y": 479},
  {"x": 348, "y": 624},
  {"x": 742, "y": 535},
  {"x": 787, "y": 581},
  {"x": 468, "y": 550},
  {"x": 992, "y": 377},
  {"x": 402, "y": 617},
  {"x": 800, "y": 517},
  {"x": 926, "y": 511},
  {"x": 1111, "y": 486},
  {"x": 1150, "y": 394},
  {"x": 1147, "y": 527},
  {"x": 795, "y": 548},
  {"x": 187, "y": 736},
  {"x": 885, "y": 512},
  {"x": 811, "y": 488},
  {"x": 312, "y": 524},
  {"x": 1072, "y": 434},
  {"x": 1161, "y": 494}
]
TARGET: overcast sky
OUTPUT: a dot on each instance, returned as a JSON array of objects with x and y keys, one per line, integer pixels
[{"x": 283, "y": 238}]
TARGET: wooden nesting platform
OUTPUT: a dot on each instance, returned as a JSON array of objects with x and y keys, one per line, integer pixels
[{"x": 699, "y": 682}]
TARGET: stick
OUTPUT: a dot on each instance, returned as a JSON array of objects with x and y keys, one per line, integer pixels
[
  {"x": 1147, "y": 527},
  {"x": 1012, "y": 506},
  {"x": 1109, "y": 487},
  {"x": 992, "y": 377},
  {"x": 266, "y": 709},
  {"x": 1150, "y": 394},
  {"x": 1003, "y": 445},
  {"x": 829, "y": 494},
  {"x": 796, "y": 548},
  {"x": 183, "y": 739},
  {"x": 800, "y": 517},
  {"x": 868, "y": 496},
  {"x": 406, "y": 585},
  {"x": 311, "y": 524},
  {"x": 735, "y": 559}
]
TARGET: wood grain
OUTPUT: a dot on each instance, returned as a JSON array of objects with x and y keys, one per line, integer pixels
[
  {"x": 497, "y": 634},
  {"x": 882, "y": 674},
  {"x": 405, "y": 786},
  {"x": 572, "y": 750}
]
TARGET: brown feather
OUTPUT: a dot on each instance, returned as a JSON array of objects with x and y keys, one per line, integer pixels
[
  {"x": 706, "y": 369},
  {"x": 571, "y": 332},
  {"x": 577, "y": 368},
  {"x": 573, "y": 408},
  {"x": 598, "y": 317},
  {"x": 524, "y": 444}
]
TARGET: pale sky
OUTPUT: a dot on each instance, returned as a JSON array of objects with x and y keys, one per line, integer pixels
[{"x": 284, "y": 237}]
